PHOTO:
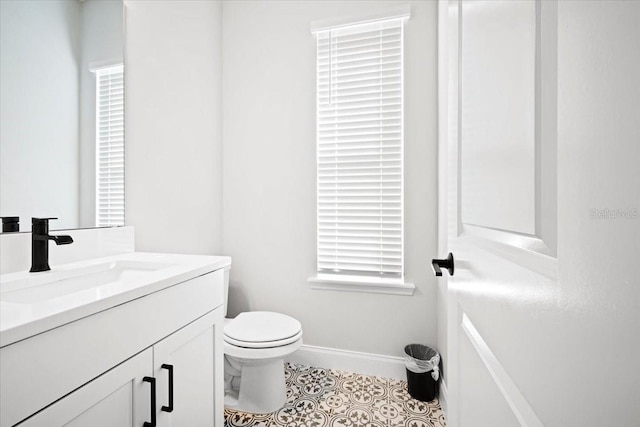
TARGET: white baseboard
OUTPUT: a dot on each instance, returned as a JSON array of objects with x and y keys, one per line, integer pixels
[
  {"x": 443, "y": 396},
  {"x": 353, "y": 361}
]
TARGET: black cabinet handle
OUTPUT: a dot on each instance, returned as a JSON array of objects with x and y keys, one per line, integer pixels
[
  {"x": 447, "y": 263},
  {"x": 170, "y": 369},
  {"x": 151, "y": 381}
]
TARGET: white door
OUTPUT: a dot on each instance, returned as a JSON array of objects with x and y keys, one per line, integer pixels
[
  {"x": 194, "y": 398},
  {"x": 540, "y": 197},
  {"x": 118, "y": 398}
]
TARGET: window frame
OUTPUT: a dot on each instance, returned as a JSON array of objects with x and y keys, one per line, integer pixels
[{"x": 361, "y": 281}]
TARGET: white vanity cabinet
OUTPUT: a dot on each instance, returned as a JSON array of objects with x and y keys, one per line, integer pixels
[{"x": 102, "y": 370}]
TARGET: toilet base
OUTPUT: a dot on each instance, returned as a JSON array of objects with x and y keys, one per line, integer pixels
[{"x": 262, "y": 386}]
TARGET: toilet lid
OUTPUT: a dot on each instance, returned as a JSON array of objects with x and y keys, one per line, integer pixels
[
  {"x": 262, "y": 327},
  {"x": 263, "y": 345}
]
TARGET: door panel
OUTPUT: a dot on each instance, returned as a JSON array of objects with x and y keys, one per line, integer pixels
[
  {"x": 503, "y": 117},
  {"x": 117, "y": 398},
  {"x": 192, "y": 353},
  {"x": 483, "y": 404},
  {"x": 114, "y": 410},
  {"x": 498, "y": 170}
]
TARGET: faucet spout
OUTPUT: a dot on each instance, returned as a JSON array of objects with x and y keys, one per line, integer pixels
[{"x": 62, "y": 240}]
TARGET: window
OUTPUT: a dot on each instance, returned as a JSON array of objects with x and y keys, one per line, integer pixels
[
  {"x": 110, "y": 146},
  {"x": 360, "y": 154}
]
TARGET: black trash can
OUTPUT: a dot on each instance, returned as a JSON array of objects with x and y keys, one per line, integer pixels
[{"x": 421, "y": 384}]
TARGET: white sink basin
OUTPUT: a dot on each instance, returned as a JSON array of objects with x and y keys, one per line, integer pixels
[
  {"x": 31, "y": 303},
  {"x": 97, "y": 279}
]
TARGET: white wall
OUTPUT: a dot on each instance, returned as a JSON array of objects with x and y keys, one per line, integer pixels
[
  {"x": 173, "y": 125},
  {"x": 269, "y": 175},
  {"x": 102, "y": 44},
  {"x": 39, "y": 110}
]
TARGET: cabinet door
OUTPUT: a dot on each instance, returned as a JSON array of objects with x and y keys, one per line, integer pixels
[
  {"x": 118, "y": 398},
  {"x": 194, "y": 356}
]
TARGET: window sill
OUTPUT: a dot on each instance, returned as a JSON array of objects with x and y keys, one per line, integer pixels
[{"x": 374, "y": 285}]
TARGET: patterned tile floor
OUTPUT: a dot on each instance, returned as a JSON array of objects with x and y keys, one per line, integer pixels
[{"x": 319, "y": 397}]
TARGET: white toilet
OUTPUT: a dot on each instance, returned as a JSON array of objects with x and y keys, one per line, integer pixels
[{"x": 255, "y": 345}]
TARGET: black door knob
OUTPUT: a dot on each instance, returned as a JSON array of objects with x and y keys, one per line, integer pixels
[{"x": 447, "y": 263}]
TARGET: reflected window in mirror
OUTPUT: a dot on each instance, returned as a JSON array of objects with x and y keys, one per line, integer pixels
[{"x": 109, "y": 145}]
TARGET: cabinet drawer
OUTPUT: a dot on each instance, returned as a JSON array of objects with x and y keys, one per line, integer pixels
[{"x": 37, "y": 371}]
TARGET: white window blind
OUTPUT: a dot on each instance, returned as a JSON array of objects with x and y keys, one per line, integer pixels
[
  {"x": 110, "y": 146},
  {"x": 360, "y": 149}
]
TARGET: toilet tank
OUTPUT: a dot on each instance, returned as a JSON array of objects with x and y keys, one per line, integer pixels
[{"x": 227, "y": 270}]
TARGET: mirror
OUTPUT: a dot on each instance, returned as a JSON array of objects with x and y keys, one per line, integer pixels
[{"x": 62, "y": 112}]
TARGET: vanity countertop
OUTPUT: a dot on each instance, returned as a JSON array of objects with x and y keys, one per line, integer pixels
[{"x": 32, "y": 303}]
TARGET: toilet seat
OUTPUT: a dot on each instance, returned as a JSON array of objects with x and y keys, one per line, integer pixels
[
  {"x": 261, "y": 355},
  {"x": 262, "y": 329},
  {"x": 264, "y": 344}
]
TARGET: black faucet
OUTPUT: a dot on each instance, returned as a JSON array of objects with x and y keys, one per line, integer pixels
[{"x": 40, "y": 244}]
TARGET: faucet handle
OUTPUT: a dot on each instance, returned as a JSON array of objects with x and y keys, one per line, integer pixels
[
  {"x": 40, "y": 225},
  {"x": 40, "y": 220},
  {"x": 10, "y": 224}
]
